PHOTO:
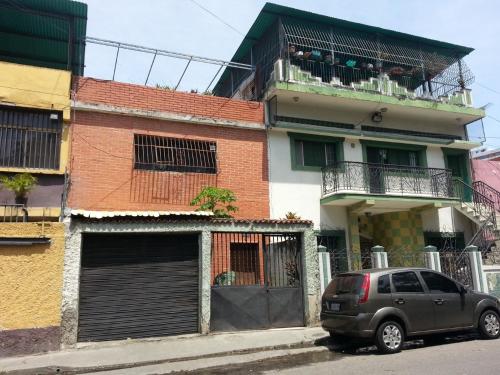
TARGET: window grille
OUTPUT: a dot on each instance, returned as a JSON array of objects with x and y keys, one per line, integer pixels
[
  {"x": 30, "y": 138},
  {"x": 174, "y": 154}
]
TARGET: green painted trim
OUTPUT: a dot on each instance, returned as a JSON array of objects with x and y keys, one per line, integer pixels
[
  {"x": 376, "y": 97},
  {"x": 359, "y": 134},
  {"x": 336, "y": 197},
  {"x": 339, "y": 149},
  {"x": 465, "y": 161}
]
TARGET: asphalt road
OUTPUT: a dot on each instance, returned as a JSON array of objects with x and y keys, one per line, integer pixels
[{"x": 456, "y": 355}]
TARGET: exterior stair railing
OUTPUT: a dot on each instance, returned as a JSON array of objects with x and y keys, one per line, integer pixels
[{"x": 489, "y": 192}]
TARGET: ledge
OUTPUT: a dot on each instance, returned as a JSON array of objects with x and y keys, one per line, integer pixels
[{"x": 375, "y": 97}]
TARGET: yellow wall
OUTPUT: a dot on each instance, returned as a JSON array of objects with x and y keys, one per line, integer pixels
[
  {"x": 31, "y": 277},
  {"x": 39, "y": 88}
]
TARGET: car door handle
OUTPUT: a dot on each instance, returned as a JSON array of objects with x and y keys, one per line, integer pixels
[
  {"x": 399, "y": 301},
  {"x": 439, "y": 301}
]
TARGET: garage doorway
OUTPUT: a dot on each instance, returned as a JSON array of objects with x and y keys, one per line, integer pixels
[{"x": 138, "y": 285}]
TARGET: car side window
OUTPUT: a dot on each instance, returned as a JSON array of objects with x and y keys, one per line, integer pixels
[
  {"x": 438, "y": 284},
  {"x": 406, "y": 282},
  {"x": 384, "y": 285}
]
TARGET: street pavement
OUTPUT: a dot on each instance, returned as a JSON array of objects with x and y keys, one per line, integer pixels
[{"x": 461, "y": 355}]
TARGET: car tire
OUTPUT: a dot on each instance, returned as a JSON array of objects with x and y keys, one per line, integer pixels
[
  {"x": 389, "y": 337},
  {"x": 489, "y": 325}
]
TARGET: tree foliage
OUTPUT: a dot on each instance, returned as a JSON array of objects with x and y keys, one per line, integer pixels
[
  {"x": 20, "y": 184},
  {"x": 217, "y": 200}
]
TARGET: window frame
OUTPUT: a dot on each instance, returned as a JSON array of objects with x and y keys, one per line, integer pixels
[
  {"x": 442, "y": 276},
  {"x": 297, "y": 165},
  {"x": 420, "y": 150},
  {"x": 34, "y": 139},
  {"x": 393, "y": 286},
  {"x": 149, "y": 143}
]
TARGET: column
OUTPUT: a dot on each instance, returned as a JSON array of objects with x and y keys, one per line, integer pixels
[
  {"x": 431, "y": 257},
  {"x": 379, "y": 257},
  {"x": 478, "y": 275}
]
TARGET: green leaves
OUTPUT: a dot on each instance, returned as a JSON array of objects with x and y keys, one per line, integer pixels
[
  {"x": 21, "y": 183},
  {"x": 217, "y": 200}
]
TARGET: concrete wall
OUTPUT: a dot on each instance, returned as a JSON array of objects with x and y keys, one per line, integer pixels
[
  {"x": 75, "y": 228},
  {"x": 30, "y": 289}
]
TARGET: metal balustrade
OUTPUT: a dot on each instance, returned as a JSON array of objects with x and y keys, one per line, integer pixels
[{"x": 371, "y": 178}]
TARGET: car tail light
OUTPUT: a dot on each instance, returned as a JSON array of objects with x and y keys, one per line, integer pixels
[{"x": 365, "y": 289}]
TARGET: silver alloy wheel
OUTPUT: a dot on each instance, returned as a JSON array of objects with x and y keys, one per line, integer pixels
[
  {"x": 491, "y": 324},
  {"x": 392, "y": 337}
]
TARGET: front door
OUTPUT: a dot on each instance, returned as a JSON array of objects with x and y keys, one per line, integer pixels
[
  {"x": 375, "y": 158},
  {"x": 451, "y": 308},
  {"x": 458, "y": 165},
  {"x": 409, "y": 296}
]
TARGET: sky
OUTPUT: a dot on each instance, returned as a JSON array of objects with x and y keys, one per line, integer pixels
[{"x": 183, "y": 26}]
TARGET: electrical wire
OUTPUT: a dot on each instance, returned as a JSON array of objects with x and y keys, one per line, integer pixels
[
  {"x": 217, "y": 17},
  {"x": 488, "y": 88}
]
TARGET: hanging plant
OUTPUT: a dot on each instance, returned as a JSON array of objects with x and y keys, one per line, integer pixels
[{"x": 20, "y": 184}]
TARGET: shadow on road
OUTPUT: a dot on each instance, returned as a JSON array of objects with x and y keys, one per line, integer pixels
[{"x": 352, "y": 346}]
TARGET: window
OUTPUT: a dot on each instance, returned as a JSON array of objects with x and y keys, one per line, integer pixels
[
  {"x": 245, "y": 263},
  {"x": 384, "y": 284},
  {"x": 438, "y": 284},
  {"x": 314, "y": 154},
  {"x": 393, "y": 156},
  {"x": 30, "y": 138},
  {"x": 174, "y": 154},
  {"x": 345, "y": 284},
  {"x": 406, "y": 282}
]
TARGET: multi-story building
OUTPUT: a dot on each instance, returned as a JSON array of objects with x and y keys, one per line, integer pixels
[
  {"x": 367, "y": 132},
  {"x": 41, "y": 46}
]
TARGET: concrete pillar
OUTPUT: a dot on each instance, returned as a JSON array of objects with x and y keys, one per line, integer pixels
[
  {"x": 431, "y": 258},
  {"x": 379, "y": 257},
  {"x": 324, "y": 267},
  {"x": 205, "y": 280},
  {"x": 478, "y": 275}
]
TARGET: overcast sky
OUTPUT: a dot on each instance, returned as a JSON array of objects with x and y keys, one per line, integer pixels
[{"x": 182, "y": 26}]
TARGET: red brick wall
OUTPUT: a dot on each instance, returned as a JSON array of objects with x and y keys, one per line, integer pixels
[
  {"x": 90, "y": 90},
  {"x": 103, "y": 178}
]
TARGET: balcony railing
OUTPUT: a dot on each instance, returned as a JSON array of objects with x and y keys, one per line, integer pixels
[
  {"x": 369, "y": 178},
  {"x": 13, "y": 213}
]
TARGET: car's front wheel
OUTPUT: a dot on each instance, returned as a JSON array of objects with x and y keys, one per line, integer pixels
[
  {"x": 489, "y": 325},
  {"x": 389, "y": 337}
]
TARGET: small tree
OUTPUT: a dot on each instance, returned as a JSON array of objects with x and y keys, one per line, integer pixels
[
  {"x": 292, "y": 216},
  {"x": 20, "y": 184},
  {"x": 217, "y": 200}
]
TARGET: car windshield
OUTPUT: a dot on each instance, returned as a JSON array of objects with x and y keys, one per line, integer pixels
[{"x": 345, "y": 284}]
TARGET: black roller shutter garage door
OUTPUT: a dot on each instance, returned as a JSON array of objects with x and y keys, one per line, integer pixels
[{"x": 138, "y": 285}]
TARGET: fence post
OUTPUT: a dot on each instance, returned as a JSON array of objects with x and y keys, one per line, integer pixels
[
  {"x": 478, "y": 275},
  {"x": 379, "y": 257},
  {"x": 324, "y": 267},
  {"x": 431, "y": 257}
]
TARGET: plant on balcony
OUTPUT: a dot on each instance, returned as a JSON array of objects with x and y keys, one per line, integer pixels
[
  {"x": 292, "y": 216},
  {"x": 20, "y": 184},
  {"x": 217, "y": 200}
]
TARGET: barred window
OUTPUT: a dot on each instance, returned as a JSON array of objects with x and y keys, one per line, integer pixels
[
  {"x": 30, "y": 138},
  {"x": 174, "y": 154}
]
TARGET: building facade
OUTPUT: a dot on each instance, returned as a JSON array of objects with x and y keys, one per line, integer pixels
[
  {"x": 367, "y": 132},
  {"x": 35, "y": 84}
]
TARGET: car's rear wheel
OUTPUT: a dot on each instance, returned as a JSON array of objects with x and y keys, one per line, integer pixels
[
  {"x": 489, "y": 325},
  {"x": 389, "y": 337}
]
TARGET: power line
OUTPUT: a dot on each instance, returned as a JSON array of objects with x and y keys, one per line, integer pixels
[
  {"x": 488, "y": 88},
  {"x": 217, "y": 17}
]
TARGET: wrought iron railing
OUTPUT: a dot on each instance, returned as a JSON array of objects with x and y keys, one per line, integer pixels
[
  {"x": 371, "y": 178},
  {"x": 484, "y": 207},
  {"x": 13, "y": 213},
  {"x": 489, "y": 192}
]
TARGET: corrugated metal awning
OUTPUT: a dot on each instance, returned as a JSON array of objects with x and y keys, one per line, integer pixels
[{"x": 112, "y": 214}]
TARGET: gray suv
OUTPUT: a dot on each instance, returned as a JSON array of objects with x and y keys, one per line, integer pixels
[{"x": 389, "y": 305}]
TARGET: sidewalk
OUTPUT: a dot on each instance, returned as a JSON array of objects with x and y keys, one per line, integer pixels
[{"x": 133, "y": 353}]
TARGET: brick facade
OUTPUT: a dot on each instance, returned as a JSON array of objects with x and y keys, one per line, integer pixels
[{"x": 102, "y": 152}]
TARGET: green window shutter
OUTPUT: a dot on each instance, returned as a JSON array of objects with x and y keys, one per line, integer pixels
[{"x": 314, "y": 154}]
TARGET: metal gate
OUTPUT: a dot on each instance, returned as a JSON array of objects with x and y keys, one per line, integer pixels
[
  {"x": 256, "y": 281},
  {"x": 138, "y": 285},
  {"x": 456, "y": 264}
]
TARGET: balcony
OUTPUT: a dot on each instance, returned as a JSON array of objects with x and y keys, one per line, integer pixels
[{"x": 349, "y": 181}]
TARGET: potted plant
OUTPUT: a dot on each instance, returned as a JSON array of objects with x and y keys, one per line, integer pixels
[{"x": 20, "y": 184}]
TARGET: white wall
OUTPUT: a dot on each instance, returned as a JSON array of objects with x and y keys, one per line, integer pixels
[{"x": 298, "y": 191}]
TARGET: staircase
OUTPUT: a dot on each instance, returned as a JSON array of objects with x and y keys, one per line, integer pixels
[{"x": 481, "y": 204}]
